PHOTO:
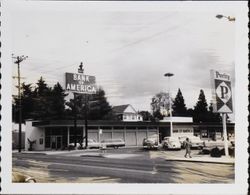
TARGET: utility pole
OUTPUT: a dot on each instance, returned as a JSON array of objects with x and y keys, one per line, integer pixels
[{"x": 19, "y": 59}]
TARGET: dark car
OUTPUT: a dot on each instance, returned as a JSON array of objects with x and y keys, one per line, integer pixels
[{"x": 151, "y": 142}]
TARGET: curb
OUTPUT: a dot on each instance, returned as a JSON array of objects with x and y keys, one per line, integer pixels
[
  {"x": 200, "y": 161},
  {"x": 37, "y": 153},
  {"x": 99, "y": 156}
]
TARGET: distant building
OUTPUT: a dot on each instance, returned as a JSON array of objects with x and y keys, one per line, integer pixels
[
  {"x": 126, "y": 113},
  {"x": 15, "y": 136}
]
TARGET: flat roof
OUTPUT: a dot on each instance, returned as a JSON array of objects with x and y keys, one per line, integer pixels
[{"x": 67, "y": 123}]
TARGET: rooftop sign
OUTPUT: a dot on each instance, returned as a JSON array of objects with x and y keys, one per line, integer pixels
[
  {"x": 221, "y": 91},
  {"x": 79, "y": 83}
]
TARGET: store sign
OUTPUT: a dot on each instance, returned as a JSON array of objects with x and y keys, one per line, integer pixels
[
  {"x": 80, "y": 83},
  {"x": 221, "y": 92}
]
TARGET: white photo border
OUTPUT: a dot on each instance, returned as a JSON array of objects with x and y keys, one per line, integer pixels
[{"x": 241, "y": 113}]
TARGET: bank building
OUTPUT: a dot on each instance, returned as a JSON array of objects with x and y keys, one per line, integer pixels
[{"x": 129, "y": 126}]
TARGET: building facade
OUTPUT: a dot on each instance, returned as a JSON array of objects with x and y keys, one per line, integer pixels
[{"x": 56, "y": 135}]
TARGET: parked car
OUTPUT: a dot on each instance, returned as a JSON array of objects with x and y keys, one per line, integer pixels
[
  {"x": 113, "y": 143},
  {"x": 91, "y": 144},
  {"x": 151, "y": 142},
  {"x": 71, "y": 146},
  {"x": 196, "y": 142},
  {"x": 171, "y": 143},
  {"x": 219, "y": 143}
]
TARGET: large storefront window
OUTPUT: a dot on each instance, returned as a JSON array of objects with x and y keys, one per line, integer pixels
[
  {"x": 56, "y": 137},
  {"x": 78, "y": 135}
]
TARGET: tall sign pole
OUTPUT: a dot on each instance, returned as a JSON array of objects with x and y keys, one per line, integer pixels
[
  {"x": 19, "y": 59},
  {"x": 86, "y": 120},
  {"x": 75, "y": 120},
  {"x": 170, "y": 103},
  {"x": 80, "y": 84},
  {"x": 222, "y": 99}
]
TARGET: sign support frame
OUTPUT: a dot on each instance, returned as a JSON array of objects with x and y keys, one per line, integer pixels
[
  {"x": 222, "y": 77},
  {"x": 224, "y": 124}
]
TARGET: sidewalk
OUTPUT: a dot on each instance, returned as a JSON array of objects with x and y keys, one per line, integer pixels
[{"x": 199, "y": 158}]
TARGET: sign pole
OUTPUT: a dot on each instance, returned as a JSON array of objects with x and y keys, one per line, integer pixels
[
  {"x": 222, "y": 99},
  {"x": 86, "y": 121},
  {"x": 78, "y": 83},
  {"x": 75, "y": 121},
  {"x": 224, "y": 121}
]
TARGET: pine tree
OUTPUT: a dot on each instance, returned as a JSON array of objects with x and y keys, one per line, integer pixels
[
  {"x": 200, "y": 110},
  {"x": 213, "y": 117},
  {"x": 179, "y": 106},
  {"x": 42, "y": 106},
  {"x": 57, "y": 101},
  {"x": 27, "y": 103},
  {"x": 98, "y": 106}
]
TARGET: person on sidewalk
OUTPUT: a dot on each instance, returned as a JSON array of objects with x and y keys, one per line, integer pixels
[{"x": 187, "y": 145}]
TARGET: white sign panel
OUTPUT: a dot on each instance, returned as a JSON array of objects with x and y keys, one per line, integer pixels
[{"x": 222, "y": 92}]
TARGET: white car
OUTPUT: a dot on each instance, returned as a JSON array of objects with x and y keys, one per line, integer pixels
[
  {"x": 196, "y": 142},
  {"x": 112, "y": 143},
  {"x": 91, "y": 144},
  {"x": 171, "y": 143}
]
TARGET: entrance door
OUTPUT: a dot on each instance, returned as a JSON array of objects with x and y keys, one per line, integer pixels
[{"x": 56, "y": 142}]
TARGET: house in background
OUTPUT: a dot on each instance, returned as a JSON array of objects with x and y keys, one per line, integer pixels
[{"x": 126, "y": 113}]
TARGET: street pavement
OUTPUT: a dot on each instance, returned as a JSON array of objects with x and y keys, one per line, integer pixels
[{"x": 125, "y": 165}]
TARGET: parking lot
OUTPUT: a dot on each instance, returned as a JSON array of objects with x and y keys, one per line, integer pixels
[{"x": 123, "y": 165}]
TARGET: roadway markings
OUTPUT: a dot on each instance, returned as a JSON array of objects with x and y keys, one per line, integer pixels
[{"x": 95, "y": 167}]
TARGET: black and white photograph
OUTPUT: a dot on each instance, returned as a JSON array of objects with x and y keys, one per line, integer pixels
[{"x": 130, "y": 97}]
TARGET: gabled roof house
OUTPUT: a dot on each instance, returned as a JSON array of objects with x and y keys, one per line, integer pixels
[{"x": 126, "y": 113}]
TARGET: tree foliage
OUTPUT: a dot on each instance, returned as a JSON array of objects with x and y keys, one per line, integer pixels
[
  {"x": 27, "y": 103},
  {"x": 160, "y": 105},
  {"x": 200, "y": 110},
  {"x": 179, "y": 106},
  {"x": 146, "y": 116},
  {"x": 98, "y": 107}
]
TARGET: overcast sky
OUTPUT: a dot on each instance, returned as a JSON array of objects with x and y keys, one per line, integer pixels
[{"x": 128, "y": 50}]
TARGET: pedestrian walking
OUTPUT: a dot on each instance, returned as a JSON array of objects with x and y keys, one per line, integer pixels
[{"x": 187, "y": 145}]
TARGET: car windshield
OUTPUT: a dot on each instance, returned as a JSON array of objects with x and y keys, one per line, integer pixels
[
  {"x": 173, "y": 139},
  {"x": 195, "y": 138}
]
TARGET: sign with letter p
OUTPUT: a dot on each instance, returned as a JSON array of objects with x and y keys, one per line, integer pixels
[{"x": 221, "y": 92}]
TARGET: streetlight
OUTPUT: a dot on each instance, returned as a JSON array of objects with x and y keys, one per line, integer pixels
[
  {"x": 169, "y": 99},
  {"x": 224, "y": 120},
  {"x": 230, "y": 18}
]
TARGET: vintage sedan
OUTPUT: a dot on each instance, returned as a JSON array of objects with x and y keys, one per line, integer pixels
[
  {"x": 151, "y": 142},
  {"x": 91, "y": 144},
  {"x": 196, "y": 142},
  {"x": 171, "y": 143},
  {"x": 112, "y": 143}
]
